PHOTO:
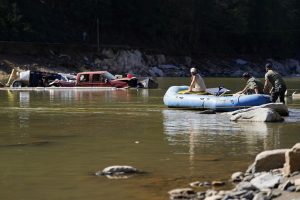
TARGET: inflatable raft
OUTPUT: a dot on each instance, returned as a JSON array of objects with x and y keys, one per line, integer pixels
[{"x": 216, "y": 99}]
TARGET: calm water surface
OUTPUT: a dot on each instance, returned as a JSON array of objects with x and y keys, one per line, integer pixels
[{"x": 51, "y": 142}]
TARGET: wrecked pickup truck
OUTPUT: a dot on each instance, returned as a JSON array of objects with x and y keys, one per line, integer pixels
[
  {"x": 82, "y": 79},
  {"x": 38, "y": 79},
  {"x": 106, "y": 79},
  {"x": 92, "y": 79}
]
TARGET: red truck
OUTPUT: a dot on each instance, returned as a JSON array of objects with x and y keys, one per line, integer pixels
[{"x": 94, "y": 79}]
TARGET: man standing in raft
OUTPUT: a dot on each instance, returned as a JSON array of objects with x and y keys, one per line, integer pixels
[
  {"x": 197, "y": 83},
  {"x": 278, "y": 85}
]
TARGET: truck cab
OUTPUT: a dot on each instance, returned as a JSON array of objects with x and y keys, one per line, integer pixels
[{"x": 98, "y": 79}]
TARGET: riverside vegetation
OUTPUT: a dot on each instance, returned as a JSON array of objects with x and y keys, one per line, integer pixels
[{"x": 258, "y": 27}]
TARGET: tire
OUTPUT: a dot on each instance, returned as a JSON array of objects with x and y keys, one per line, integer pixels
[{"x": 18, "y": 84}]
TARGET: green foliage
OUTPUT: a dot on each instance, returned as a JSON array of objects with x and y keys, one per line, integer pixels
[
  {"x": 11, "y": 21},
  {"x": 263, "y": 27}
]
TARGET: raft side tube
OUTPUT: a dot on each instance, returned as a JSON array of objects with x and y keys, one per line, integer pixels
[{"x": 217, "y": 103}]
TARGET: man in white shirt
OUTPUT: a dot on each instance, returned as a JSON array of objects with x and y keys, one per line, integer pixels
[{"x": 197, "y": 83}]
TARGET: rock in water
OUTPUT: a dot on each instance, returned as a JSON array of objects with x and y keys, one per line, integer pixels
[
  {"x": 117, "y": 171},
  {"x": 182, "y": 193},
  {"x": 258, "y": 115},
  {"x": 280, "y": 108}
]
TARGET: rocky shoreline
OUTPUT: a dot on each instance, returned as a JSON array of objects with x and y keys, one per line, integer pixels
[
  {"x": 275, "y": 174},
  {"x": 53, "y": 58}
]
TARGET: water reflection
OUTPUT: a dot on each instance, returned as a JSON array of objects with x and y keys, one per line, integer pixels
[
  {"x": 63, "y": 95},
  {"x": 182, "y": 122},
  {"x": 107, "y": 95},
  {"x": 144, "y": 93},
  {"x": 24, "y": 114},
  {"x": 213, "y": 134}
]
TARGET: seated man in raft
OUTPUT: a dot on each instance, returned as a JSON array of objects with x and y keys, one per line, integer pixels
[
  {"x": 197, "y": 84},
  {"x": 253, "y": 86}
]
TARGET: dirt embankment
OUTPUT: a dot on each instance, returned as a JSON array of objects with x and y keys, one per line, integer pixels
[
  {"x": 73, "y": 58},
  {"x": 42, "y": 57}
]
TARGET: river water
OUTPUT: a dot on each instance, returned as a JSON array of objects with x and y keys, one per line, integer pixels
[{"x": 52, "y": 141}]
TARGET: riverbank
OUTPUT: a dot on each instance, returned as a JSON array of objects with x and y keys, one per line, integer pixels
[
  {"x": 121, "y": 60},
  {"x": 275, "y": 174}
]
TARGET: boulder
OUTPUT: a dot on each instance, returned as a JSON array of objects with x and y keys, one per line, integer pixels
[
  {"x": 258, "y": 115},
  {"x": 127, "y": 59},
  {"x": 196, "y": 184},
  {"x": 286, "y": 185},
  {"x": 237, "y": 176},
  {"x": 117, "y": 170},
  {"x": 280, "y": 108},
  {"x": 266, "y": 180},
  {"x": 297, "y": 182},
  {"x": 268, "y": 160},
  {"x": 292, "y": 160},
  {"x": 244, "y": 186},
  {"x": 261, "y": 196},
  {"x": 182, "y": 193}
]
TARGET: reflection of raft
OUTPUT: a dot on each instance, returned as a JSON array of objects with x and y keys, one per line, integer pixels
[{"x": 172, "y": 98}]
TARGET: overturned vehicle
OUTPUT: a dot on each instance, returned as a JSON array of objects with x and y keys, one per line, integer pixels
[{"x": 39, "y": 79}]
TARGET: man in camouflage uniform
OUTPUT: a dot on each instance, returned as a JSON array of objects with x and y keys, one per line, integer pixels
[
  {"x": 278, "y": 85},
  {"x": 254, "y": 85}
]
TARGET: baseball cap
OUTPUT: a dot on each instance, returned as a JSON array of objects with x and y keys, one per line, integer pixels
[{"x": 193, "y": 70}]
